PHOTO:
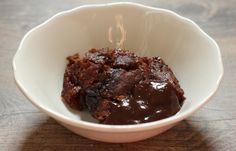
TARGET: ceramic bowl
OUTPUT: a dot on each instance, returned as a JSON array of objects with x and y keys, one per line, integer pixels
[{"x": 40, "y": 61}]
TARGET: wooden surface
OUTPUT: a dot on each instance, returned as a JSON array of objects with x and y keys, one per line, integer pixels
[{"x": 24, "y": 128}]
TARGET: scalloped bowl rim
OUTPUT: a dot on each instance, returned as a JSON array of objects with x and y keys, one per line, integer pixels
[{"x": 118, "y": 128}]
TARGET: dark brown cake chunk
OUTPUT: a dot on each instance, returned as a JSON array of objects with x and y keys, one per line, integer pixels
[{"x": 119, "y": 87}]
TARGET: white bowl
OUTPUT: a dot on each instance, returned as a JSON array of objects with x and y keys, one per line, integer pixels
[{"x": 40, "y": 61}]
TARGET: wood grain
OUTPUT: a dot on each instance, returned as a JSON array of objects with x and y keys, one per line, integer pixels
[{"x": 25, "y": 128}]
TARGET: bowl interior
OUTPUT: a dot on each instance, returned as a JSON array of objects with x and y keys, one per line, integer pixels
[{"x": 41, "y": 59}]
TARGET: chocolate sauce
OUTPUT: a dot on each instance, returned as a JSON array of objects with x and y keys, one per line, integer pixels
[{"x": 150, "y": 101}]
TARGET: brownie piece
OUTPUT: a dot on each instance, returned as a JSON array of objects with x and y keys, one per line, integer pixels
[{"x": 119, "y": 87}]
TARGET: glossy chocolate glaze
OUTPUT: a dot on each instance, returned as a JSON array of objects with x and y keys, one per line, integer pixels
[
  {"x": 118, "y": 87},
  {"x": 150, "y": 101}
]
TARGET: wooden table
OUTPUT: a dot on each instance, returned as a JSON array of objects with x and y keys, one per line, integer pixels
[{"x": 23, "y": 127}]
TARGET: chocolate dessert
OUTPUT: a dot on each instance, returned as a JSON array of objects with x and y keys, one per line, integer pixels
[{"x": 119, "y": 87}]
